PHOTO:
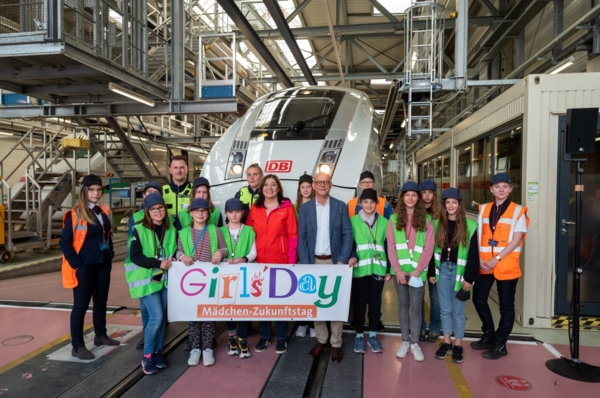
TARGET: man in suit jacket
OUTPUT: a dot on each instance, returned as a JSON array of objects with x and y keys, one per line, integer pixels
[{"x": 325, "y": 237}]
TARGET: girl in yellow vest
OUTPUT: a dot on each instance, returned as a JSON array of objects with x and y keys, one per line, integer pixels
[
  {"x": 502, "y": 226},
  {"x": 201, "y": 189},
  {"x": 201, "y": 242},
  {"x": 304, "y": 194},
  {"x": 410, "y": 240},
  {"x": 241, "y": 247},
  {"x": 455, "y": 269},
  {"x": 151, "y": 249},
  {"x": 371, "y": 271},
  {"x": 87, "y": 248}
]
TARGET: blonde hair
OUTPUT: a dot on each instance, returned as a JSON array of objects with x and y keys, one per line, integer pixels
[{"x": 83, "y": 207}]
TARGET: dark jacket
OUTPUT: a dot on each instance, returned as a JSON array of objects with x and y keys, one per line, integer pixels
[{"x": 90, "y": 252}]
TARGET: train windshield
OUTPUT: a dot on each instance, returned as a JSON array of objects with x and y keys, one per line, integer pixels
[{"x": 297, "y": 115}]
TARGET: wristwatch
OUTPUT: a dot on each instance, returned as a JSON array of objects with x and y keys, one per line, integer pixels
[
  {"x": 245, "y": 259},
  {"x": 498, "y": 257}
]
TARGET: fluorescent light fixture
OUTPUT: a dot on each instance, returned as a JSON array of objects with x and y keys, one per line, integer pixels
[
  {"x": 562, "y": 66},
  {"x": 1, "y": 133},
  {"x": 186, "y": 124},
  {"x": 391, "y": 145},
  {"x": 130, "y": 94},
  {"x": 403, "y": 123},
  {"x": 380, "y": 82},
  {"x": 393, "y": 6}
]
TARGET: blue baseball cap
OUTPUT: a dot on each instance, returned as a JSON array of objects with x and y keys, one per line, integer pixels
[
  {"x": 154, "y": 185},
  {"x": 153, "y": 199},
  {"x": 451, "y": 193},
  {"x": 201, "y": 181},
  {"x": 233, "y": 204},
  {"x": 199, "y": 204},
  {"x": 410, "y": 186},
  {"x": 500, "y": 177},
  {"x": 428, "y": 185}
]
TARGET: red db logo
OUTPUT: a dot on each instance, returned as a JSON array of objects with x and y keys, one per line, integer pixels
[{"x": 278, "y": 166}]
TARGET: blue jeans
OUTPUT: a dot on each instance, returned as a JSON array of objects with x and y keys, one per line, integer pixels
[
  {"x": 452, "y": 310},
  {"x": 265, "y": 330},
  {"x": 144, "y": 312},
  {"x": 240, "y": 326},
  {"x": 156, "y": 305},
  {"x": 434, "y": 311}
]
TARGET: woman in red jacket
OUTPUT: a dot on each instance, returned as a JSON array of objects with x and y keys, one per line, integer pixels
[{"x": 274, "y": 221}]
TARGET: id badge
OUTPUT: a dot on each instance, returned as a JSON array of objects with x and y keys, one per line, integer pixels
[
  {"x": 104, "y": 246},
  {"x": 161, "y": 254},
  {"x": 377, "y": 256},
  {"x": 492, "y": 242}
]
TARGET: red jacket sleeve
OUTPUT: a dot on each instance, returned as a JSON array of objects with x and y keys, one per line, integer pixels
[{"x": 292, "y": 233}]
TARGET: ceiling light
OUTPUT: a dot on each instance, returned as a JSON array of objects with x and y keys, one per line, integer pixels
[
  {"x": 391, "y": 145},
  {"x": 130, "y": 94},
  {"x": 562, "y": 66},
  {"x": 403, "y": 123}
]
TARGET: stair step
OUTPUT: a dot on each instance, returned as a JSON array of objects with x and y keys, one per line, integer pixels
[
  {"x": 21, "y": 247},
  {"x": 21, "y": 234},
  {"x": 419, "y": 103},
  {"x": 420, "y": 132}
]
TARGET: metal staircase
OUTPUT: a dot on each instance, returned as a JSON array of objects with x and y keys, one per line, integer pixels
[{"x": 424, "y": 30}]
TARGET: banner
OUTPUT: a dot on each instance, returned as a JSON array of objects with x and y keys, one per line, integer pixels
[{"x": 244, "y": 292}]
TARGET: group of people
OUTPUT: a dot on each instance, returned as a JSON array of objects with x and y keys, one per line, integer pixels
[{"x": 423, "y": 242}]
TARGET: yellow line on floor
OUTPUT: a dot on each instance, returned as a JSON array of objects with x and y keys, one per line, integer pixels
[
  {"x": 462, "y": 387},
  {"x": 32, "y": 354}
]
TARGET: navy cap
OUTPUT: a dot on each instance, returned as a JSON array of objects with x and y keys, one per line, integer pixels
[
  {"x": 201, "y": 181},
  {"x": 91, "y": 180},
  {"x": 199, "y": 204},
  {"x": 366, "y": 174},
  {"x": 233, "y": 204},
  {"x": 410, "y": 186},
  {"x": 305, "y": 178},
  {"x": 451, "y": 193},
  {"x": 500, "y": 177},
  {"x": 154, "y": 185},
  {"x": 153, "y": 199},
  {"x": 369, "y": 193},
  {"x": 428, "y": 185}
]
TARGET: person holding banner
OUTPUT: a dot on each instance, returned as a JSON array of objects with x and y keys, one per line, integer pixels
[
  {"x": 87, "y": 247},
  {"x": 201, "y": 189},
  {"x": 369, "y": 230},
  {"x": 274, "y": 221},
  {"x": 241, "y": 248},
  {"x": 455, "y": 269},
  {"x": 325, "y": 236},
  {"x": 410, "y": 239},
  {"x": 202, "y": 242},
  {"x": 152, "y": 246}
]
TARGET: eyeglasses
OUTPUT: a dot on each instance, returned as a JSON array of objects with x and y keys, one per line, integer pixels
[
  {"x": 156, "y": 209},
  {"x": 322, "y": 183},
  {"x": 200, "y": 211},
  {"x": 367, "y": 182}
]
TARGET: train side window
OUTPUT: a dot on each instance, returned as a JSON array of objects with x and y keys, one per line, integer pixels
[
  {"x": 481, "y": 161},
  {"x": 508, "y": 159},
  {"x": 463, "y": 179}
]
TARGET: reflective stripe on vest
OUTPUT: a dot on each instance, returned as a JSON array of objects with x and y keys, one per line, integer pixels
[
  {"x": 244, "y": 242},
  {"x": 366, "y": 250},
  {"x": 409, "y": 260},
  {"x": 186, "y": 240},
  {"x": 461, "y": 256}
]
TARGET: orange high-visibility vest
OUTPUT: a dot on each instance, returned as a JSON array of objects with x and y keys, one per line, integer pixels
[
  {"x": 352, "y": 206},
  {"x": 508, "y": 267},
  {"x": 80, "y": 228}
]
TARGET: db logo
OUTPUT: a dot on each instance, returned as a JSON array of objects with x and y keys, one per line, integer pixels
[{"x": 278, "y": 166}]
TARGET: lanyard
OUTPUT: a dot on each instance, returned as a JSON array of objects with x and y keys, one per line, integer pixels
[
  {"x": 198, "y": 240},
  {"x": 101, "y": 220},
  {"x": 235, "y": 241},
  {"x": 449, "y": 244},
  {"x": 160, "y": 251},
  {"x": 370, "y": 228}
]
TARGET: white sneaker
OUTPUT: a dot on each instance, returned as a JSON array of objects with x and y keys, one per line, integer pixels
[
  {"x": 208, "y": 357},
  {"x": 313, "y": 333},
  {"x": 301, "y": 331},
  {"x": 403, "y": 349},
  {"x": 194, "y": 357},
  {"x": 417, "y": 353}
]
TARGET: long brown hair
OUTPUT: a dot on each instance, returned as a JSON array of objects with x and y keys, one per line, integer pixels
[
  {"x": 148, "y": 223},
  {"x": 211, "y": 206},
  {"x": 460, "y": 235},
  {"x": 260, "y": 202},
  {"x": 83, "y": 207},
  {"x": 300, "y": 198},
  {"x": 419, "y": 217},
  {"x": 435, "y": 207}
]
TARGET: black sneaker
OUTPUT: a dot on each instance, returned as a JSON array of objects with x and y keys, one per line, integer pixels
[
  {"x": 443, "y": 351},
  {"x": 422, "y": 336},
  {"x": 262, "y": 345},
  {"x": 457, "y": 354},
  {"x": 486, "y": 341},
  {"x": 160, "y": 360},
  {"x": 148, "y": 366},
  {"x": 281, "y": 346},
  {"x": 496, "y": 352},
  {"x": 433, "y": 337}
]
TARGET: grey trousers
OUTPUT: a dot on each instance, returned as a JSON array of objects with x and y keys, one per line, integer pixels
[
  {"x": 321, "y": 326},
  {"x": 410, "y": 300}
]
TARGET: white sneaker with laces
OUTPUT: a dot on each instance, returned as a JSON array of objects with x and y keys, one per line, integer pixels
[
  {"x": 194, "y": 357},
  {"x": 208, "y": 357},
  {"x": 313, "y": 333},
  {"x": 417, "y": 353},
  {"x": 403, "y": 349},
  {"x": 301, "y": 331}
]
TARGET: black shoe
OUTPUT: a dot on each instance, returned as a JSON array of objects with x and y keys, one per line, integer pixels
[
  {"x": 105, "y": 340},
  {"x": 281, "y": 346},
  {"x": 159, "y": 360},
  {"x": 422, "y": 336},
  {"x": 262, "y": 345},
  {"x": 486, "y": 341},
  {"x": 496, "y": 352},
  {"x": 433, "y": 337},
  {"x": 443, "y": 351},
  {"x": 148, "y": 366},
  {"x": 457, "y": 354},
  {"x": 380, "y": 326}
]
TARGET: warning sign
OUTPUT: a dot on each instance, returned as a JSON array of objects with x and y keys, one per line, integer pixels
[{"x": 514, "y": 383}]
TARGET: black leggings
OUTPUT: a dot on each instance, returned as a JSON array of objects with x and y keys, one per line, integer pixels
[{"x": 366, "y": 291}]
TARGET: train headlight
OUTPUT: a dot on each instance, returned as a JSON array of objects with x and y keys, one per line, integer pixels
[
  {"x": 236, "y": 169},
  {"x": 329, "y": 157},
  {"x": 325, "y": 168},
  {"x": 238, "y": 157}
]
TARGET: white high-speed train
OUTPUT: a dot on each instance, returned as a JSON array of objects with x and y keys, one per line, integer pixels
[{"x": 296, "y": 131}]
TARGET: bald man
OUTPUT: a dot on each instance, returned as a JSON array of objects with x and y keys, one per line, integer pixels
[{"x": 325, "y": 237}]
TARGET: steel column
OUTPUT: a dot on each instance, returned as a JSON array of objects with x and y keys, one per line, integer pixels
[
  {"x": 557, "y": 26},
  {"x": 177, "y": 54},
  {"x": 461, "y": 40}
]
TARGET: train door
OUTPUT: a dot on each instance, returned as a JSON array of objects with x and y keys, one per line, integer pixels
[{"x": 590, "y": 232}]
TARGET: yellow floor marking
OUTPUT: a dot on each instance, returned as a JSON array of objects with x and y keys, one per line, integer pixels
[
  {"x": 56, "y": 342},
  {"x": 462, "y": 387}
]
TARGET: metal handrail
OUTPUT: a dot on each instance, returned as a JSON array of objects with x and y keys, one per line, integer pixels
[
  {"x": 38, "y": 212},
  {"x": 8, "y": 242}
]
